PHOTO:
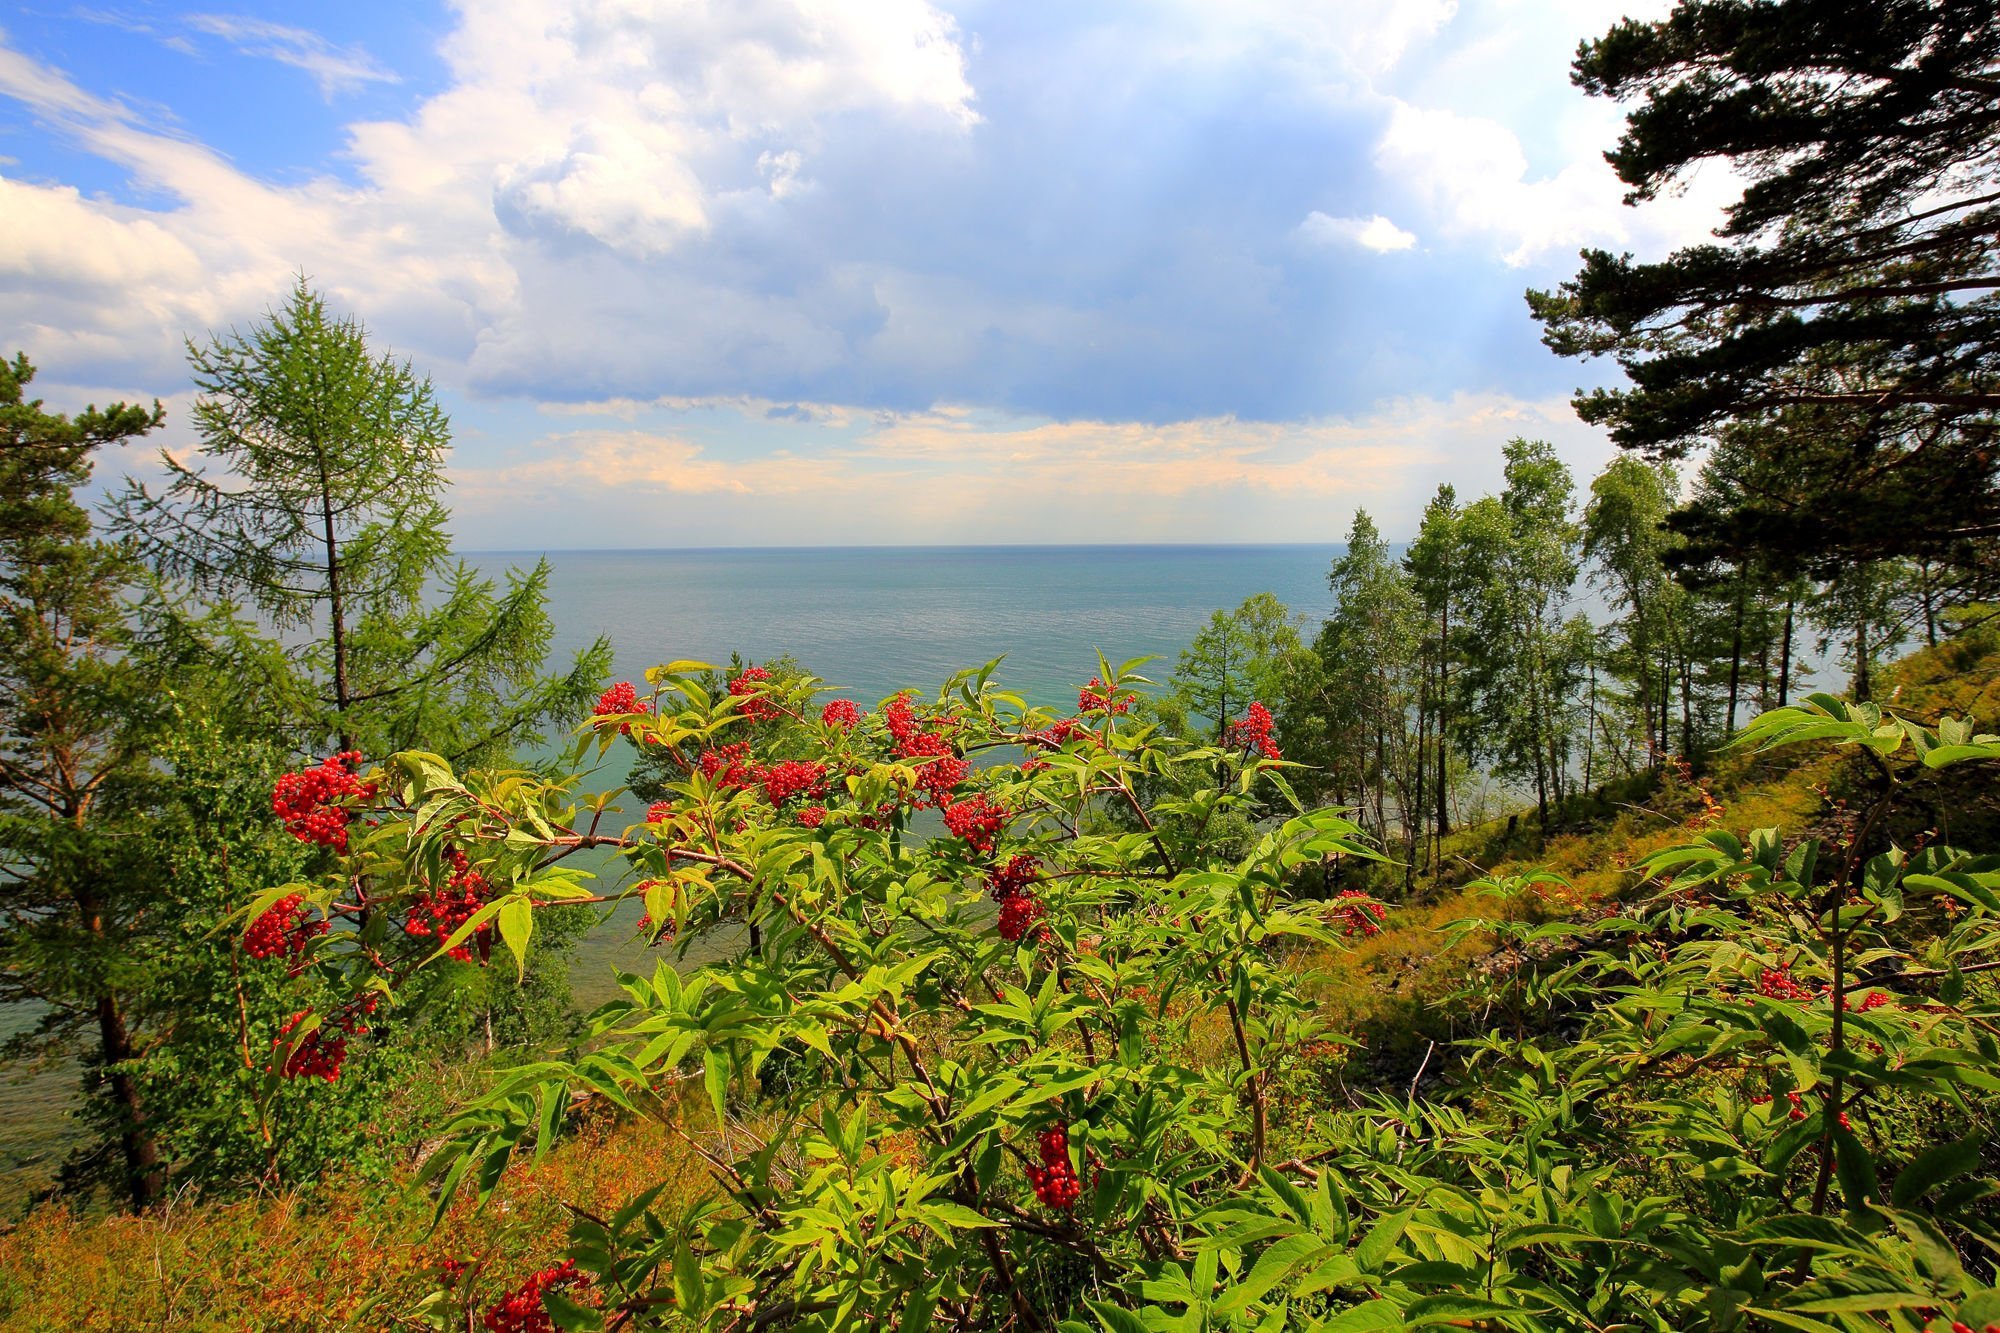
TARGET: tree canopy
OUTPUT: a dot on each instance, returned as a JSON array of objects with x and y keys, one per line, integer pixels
[{"x": 1850, "y": 293}]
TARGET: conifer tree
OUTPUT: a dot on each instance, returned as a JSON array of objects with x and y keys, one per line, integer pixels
[
  {"x": 1856, "y": 282},
  {"x": 1235, "y": 660},
  {"x": 318, "y": 503},
  {"x": 78, "y": 710}
]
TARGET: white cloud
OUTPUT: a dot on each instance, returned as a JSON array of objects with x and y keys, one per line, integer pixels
[
  {"x": 1473, "y": 175},
  {"x": 1375, "y": 233},
  {"x": 630, "y": 123},
  {"x": 961, "y": 474},
  {"x": 336, "y": 69}
]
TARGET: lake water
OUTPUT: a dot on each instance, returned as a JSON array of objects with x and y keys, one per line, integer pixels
[{"x": 868, "y": 621}]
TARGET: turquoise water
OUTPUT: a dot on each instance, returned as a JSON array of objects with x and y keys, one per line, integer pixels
[
  {"x": 873, "y": 620},
  {"x": 868, "y": 621}
]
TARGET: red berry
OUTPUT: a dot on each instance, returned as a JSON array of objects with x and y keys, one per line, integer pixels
[
  {"x": 750, "y": 687},
  {"x": 521, "y": 1310},
  {"x": 314, "y": 804},
  {"x": 1254, "y": 732}
]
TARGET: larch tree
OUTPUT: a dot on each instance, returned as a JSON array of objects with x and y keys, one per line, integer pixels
[
  {"x": 318, "y": 502},
  {"x": 1235, "y": 660}
]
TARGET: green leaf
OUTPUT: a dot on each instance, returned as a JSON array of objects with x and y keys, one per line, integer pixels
[
  {"x": 1117, "y": 1319},
  {"x": 517, "y": 923},
  {"x": 1933, "y": 1168},
  {"x": 566, "y": 1314},
  {"x": 1380, "y": 1241},
  {"x": 715, "y": 1077}
]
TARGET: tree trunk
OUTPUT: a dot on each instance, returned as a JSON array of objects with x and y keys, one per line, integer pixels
[
  {"x": 1930, "y": 602},
  {"x": 1413, "y": 818},
  {"x": 1590, "y": 726},
  {"x": 1785, "y": 654},
  {"x": 336, "y": 609},
  {"x": 1735, "y": 656},
  {"x": 144, "y": 1177},
  {"x": 1861, "y": 684},
  {"x": 1444, "y": 718},
  {"x": 1687, "y": 707}
]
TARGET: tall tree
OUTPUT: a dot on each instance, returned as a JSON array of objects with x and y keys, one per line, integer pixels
[
  {"x": 1443, "y": 579},
  {"x": 1626, "y": 541},
  {"x": 325, "y": 513},
  {"x": 78, "y": 713},
  {"x": 1859, "y": 273},
  {"x": 1531, "y": 656},
  {"x": 1236, "y": 659},
  {"x": 1370, "y": 646}
]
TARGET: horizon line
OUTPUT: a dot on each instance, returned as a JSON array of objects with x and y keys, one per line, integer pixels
[{"x": 905, "y": 546}]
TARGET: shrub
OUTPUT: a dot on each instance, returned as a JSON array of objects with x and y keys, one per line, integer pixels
[{"x": 1021, "y": 1072}]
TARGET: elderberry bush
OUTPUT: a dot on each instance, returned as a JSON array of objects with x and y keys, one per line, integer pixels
[{"x": 1033, "y": 1069}]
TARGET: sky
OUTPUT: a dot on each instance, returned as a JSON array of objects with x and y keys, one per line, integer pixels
[{"x": 796, "y": 272}]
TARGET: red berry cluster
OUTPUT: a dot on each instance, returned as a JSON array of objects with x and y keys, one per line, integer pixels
[
  {"x": 730, "y": 766},
  {"x": 1057, "y": 735},
  {"x": 436, "y": 914},
  {"x": 1055, "y": 1179},
  {"x": 811, "y": 816},
  {"x": 1020, "y": 911},
  {"x": 900, "y": 719},
  {"x": 1013, "y": 878},
  {"x": 284, "y": 930},
  {"x": 1872, "y": 1000},
  {"x": 1778, "y": 983},
  {"x": 1358, "y": 914},
  {"x": 975, "y": 819},
  {"x": 939, "y": 767},
  {"x": 311, "y": 803},
  {"x": 750, "y": 687},
  {"x": 321, "y": 1051},
  {"x": 450, "y": 1270},
  {"x": 659, "y": 812},
  {"x": 841, "y": 713},
  {"x": 521, "y": 1311},
  {"x": 1019, "y": 915},
  {"x": 794, "y": 777},
  {"x": 618, "y": 701},
  {"x": 1097, "y": 697},
  {"x": 1254, "y": 732},
  {"x": 1959, "y": 1326}
]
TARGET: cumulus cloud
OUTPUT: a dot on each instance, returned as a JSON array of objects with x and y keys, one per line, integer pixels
[
  {"x": 1140, "y": 251},
  {"x": 1473, "y": 173},
  {"x": 624, "y": 126},
  {"x": 1375, "y": 233}
]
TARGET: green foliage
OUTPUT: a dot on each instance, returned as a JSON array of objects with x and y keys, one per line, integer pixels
[
  {"x": 1767, "y": 1107},
  {"x": 328, "y": 520},
  {"x": 1235, "y": 660},
  {"x": 1845, "y": 320},
  {"x": 78, "y": 714}
]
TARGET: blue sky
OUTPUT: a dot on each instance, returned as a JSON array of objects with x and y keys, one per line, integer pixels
[{"x": 712, "y": 272}]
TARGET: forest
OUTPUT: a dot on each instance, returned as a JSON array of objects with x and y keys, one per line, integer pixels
[{"x": 1591, "y": 924}]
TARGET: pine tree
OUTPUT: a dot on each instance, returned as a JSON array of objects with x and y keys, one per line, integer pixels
[
  {"x": 1854, "y": 282},
  {"x": 78, "y": 711}
]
